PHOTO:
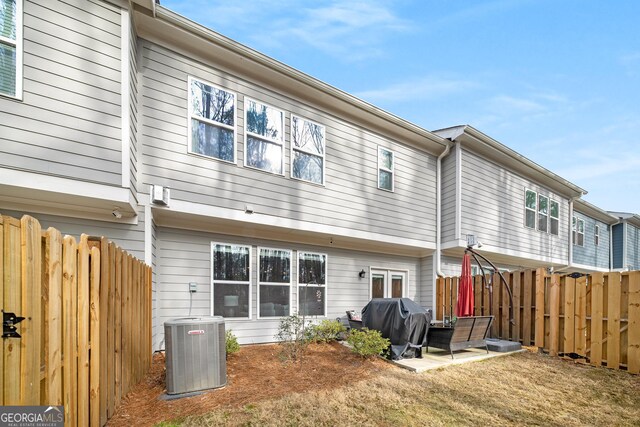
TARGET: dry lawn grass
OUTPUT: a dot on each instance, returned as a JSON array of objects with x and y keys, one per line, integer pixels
[{"x": 521, "y": 389}]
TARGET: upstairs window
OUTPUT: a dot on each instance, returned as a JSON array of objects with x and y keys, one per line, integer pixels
[
  {"x": 543, "y": 213},
  {"x": 312, "y": 284},
  {"x": 11, "y": 48},
  {"x": 307, "y": 146},
  {"x": 596, "y": 237},
  {"x": 554, "y": 217},
  {"x": 264, "y": 139},
  {"x": 385, "y": 169},
  {"x": 212, "y": 121},
  {"x": 530, "y": 199},
  {"x": 274, "y": 282},
  {"x": 231, "y": 280},
  {"x": 578, "y": 231}
]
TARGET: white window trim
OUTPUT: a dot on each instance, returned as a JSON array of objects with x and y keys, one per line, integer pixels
[
  {"x": 539, "y": 214},
  {"x": 323, "y": 156},
  {"x": 391, "y": 171},
  {"x": 553, "y": 217},
  {"x": 211, "y": 122},
  {"x": 18, "y": 44},
  {"x": 326, "y": 283},
  {"x": 534, "y": 210},
  {"x": 248, "y": 283},
  {"x": 280, "y": 140},
  {"x": 274, "y": 283},
  {"x": 596, "y": 236},
  {"x": 405, "y": 286}
]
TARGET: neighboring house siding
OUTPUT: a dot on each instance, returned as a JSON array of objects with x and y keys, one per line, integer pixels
[
  {"x": 493, "y": 210},
  {"x": 590, "y": 254},
  {"x": 68, "y": 123},
  {"x": 633, "y": 247},
  {"x": 185, "y": 256},
  {"x": 350, "y": 198},
  {"x": 618, "y": 245},
  {"x": 448, "y": 189}
]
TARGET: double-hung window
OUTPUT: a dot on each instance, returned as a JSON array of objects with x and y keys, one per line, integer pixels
[
  {"x": 231, "y": 274},
  {"x": 307, "y": 147},
  {"x": 264, "y": 138},
  {"x": 385, "y": 169},
  {"x": 554, "y": 217},
  {"x": 274, "y": 282},
  {"x": 312, "y": 284},
  {"x": 212, "y": 121},
  {"x": 543, "y": 213},
  {"x": 11, "y": 48},
  {"x": 530, "y": 199},
  {"x": 596, "y": 236},
  {"x": 578, "y": 231}
]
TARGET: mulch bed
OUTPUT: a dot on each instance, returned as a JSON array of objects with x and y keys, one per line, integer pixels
[{"x": 254, "y": 374}]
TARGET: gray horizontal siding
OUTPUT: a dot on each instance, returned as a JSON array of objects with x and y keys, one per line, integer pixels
[
  {"x": 448, "y": 189},
  {"x": 590, "y": 254},
  {"x": 129, "y": 237},
  {"x": 493, "y": 210},
  {"x": 184, "y": 256},
  {"x": 350, "y": 198},
  {"x": 68, "y": 123},
  {"x": 425, "y": 285}
]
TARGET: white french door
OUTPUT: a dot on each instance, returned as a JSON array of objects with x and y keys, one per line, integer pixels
[{"x": 388, "y": 283}]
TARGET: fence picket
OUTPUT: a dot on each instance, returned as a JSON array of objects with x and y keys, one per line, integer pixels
[
  {"x": 94, "y": 335},
  {"x": 597, "y": 312},
  {"x": 613, "y": 321},
  {"x": 83, "y": 331},
  {"x": 12, "y": 304},
  {"x": 539, "y": 308},
  {"x": 527, "y": 307},
  {"x": 580, "y": 323},
  {"x": 569, "y": 315},
  {"x": 53, "y": 357},
  {"x": 69, "y": 331}
]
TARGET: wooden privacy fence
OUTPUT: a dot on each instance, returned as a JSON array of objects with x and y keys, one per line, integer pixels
[
  {"x": 86, "y": 334},
  {"x": 594, "y": 317}
]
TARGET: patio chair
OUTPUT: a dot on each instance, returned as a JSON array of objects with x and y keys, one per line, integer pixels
[
  {"x": 355, "y": 320},
  {"x": 467, "y": 332}
]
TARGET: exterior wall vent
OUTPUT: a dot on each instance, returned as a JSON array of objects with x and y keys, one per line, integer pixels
[
  {"x": 195, "y": 354},
  {"x": 160, "y": 195}
]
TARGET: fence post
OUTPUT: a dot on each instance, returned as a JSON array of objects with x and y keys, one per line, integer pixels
[
  {"x": 94, "y": 335},
  {"x": 569, "y": 315},
  {"x": 554, "y": 314},
  {"x": 633, "y": 352}
]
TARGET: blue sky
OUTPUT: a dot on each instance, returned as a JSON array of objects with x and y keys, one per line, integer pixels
[{"x": 557, "y": 81}]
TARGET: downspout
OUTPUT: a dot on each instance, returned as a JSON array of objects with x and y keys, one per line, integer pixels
[{"x": 439, "y": 212}]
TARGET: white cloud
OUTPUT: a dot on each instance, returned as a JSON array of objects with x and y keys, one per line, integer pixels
[{"x": 420, "y": 89}]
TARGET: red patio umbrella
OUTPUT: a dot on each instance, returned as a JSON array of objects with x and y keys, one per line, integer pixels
[{"x": 465, "y": 289}]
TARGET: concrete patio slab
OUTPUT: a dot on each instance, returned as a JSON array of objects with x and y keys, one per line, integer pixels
[{"x": 437, "y": 358}]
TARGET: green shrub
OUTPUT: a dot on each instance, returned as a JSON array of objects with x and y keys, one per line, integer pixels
[
  {"x": 291, "y": 336},
  {"x": 325, "y": 331},
  {"x": 231, "y": 342},
  {"x": 367, "y": 342}
]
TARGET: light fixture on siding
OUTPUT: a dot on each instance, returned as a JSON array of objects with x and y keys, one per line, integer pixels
[
  {"x": 159, "y": 195},
  {"x": 362, "y": 273},
  {"x": 248, "y": 209}
]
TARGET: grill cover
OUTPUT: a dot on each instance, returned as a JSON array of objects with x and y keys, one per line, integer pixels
[{"x": 403, "y": 321}]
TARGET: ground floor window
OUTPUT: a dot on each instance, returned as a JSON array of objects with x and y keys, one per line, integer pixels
[
  {"x": 274, "y": 282},
  {"x": 312, "y": 284},
  {"x": 231, "y": 275}
]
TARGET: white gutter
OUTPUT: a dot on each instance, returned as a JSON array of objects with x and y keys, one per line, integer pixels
[{"x": 439, "y": 213}]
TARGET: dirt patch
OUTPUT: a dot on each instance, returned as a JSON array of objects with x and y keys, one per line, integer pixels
[{"x": 254, "y": 374}]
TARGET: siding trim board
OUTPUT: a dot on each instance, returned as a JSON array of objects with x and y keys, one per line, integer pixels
[{"x": 125, "y": 93}]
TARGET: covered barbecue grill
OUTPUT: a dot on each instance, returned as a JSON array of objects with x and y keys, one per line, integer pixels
[{"x": 404, "y": 322}]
